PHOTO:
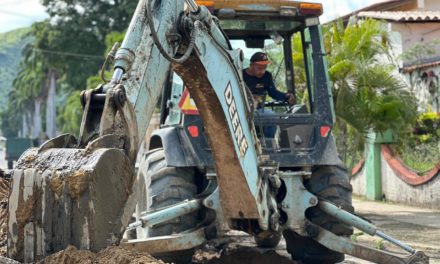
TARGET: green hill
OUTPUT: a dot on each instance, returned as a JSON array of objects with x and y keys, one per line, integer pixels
[{"x": 11, "y": 45}]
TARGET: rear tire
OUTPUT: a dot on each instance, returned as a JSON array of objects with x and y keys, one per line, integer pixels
[
  {"x": 165, "y": 186},
  {"x": 329, "y": 183}
]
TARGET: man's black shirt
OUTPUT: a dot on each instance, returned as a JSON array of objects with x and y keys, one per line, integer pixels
[{"x": 262, "y": 86}]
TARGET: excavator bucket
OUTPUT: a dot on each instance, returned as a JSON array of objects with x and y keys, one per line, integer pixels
[
  {"x": 79, "y": 195},
  {"x": 78, "y": 192}
]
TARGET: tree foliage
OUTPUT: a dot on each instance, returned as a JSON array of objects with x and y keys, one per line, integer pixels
[
  {"x": 72, "y": 44},
  {"x": 70, "y": 117},
  {"x": 361, "y": 74},
  {"x": 367, "y": 90},
  {"x": 368, "y": 93}
]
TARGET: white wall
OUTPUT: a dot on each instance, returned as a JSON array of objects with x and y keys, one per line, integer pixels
[
  {"x": 418, "y": 33},
  {"x": 427, "y": 90},
  {"x": 432, "y": 5},
  {"x": 426, "y": 195},
  {"x": 359, "y": 183},
  {"x": 404, "y": 36}
]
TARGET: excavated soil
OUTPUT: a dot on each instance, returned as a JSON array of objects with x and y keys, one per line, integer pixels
[
  {"x": 239, "y": 248},
  {"x": 4, "y": 194},
  {"x": 110, "y": 255},
  {"x": 229, "y": 252}
]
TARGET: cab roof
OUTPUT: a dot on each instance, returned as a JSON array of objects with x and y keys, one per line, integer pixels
[
  {"x": 259, "y": 18},
  {"x": 268, "y": 8}
]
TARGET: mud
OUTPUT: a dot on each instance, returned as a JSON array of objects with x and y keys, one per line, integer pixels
[
  {"x": 78, "y": 183},
  {"x": 56, "y": 184},
  {"x": 69, "y": 197},
  {"x": 4, "y": 194},
  {"x": 241, "y": 254},
  {"x": 110, "y": 255},
  {"x": 239, "y": 247}
]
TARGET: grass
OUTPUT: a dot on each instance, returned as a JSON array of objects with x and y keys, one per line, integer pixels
[
  {"x": 421, "y": 158},
  {"x": 355, "y": 236},
  {"x": 380, "y": 244}
]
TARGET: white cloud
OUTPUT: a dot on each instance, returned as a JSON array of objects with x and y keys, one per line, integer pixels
[{"x": 20, "y": 13}]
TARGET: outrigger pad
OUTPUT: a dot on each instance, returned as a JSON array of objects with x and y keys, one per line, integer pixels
[{"x": 64, "y": 197}]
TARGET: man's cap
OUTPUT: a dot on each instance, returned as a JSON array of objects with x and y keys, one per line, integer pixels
[{"x": 260, "y": 58}]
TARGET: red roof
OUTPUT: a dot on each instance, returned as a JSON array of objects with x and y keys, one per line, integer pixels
[{"x": 412, "y": 68}]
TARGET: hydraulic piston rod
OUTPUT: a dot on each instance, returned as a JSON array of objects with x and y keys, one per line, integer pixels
[
  {"x": 192, "y": 5},
  {"x": 167, "y": 214},
  {"x": 361, "y": 224}
]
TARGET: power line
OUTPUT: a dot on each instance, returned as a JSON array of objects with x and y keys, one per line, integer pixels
[{"x": 72, "y": 54}]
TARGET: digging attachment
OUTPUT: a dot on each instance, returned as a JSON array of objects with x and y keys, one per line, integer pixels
[{"x": 78, "y": 194}]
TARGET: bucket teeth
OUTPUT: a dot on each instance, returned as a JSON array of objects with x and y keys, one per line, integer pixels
[{"x": 64, "y": 197}]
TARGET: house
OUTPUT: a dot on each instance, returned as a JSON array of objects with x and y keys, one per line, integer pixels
[{"x": 415, "y": 37}]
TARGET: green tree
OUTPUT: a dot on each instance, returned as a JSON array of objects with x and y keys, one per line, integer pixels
[
  {"x": 70, "y": 117},
  {"x": 367, "y": 91},
  {"x": 35, "y": 80},
  {"x": 86, "y": 27},
  {"x": 27, "y": 97},
  {"x": 66, "y": 50},
  {"x": 78, "y": 32}
]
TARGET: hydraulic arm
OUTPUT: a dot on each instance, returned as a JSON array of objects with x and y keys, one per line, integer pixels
[
  {"x": 117, "y": 114},
  {"x": 210, "y": 70}
]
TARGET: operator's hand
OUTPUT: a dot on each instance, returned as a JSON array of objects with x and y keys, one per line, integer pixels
[{"x": 290, "y": 98}]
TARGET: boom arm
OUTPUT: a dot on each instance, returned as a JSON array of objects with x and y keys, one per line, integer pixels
[{"x": 211, "y": 71}]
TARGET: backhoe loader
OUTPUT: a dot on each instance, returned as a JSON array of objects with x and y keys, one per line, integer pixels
[{"x": 210, "y": 168}]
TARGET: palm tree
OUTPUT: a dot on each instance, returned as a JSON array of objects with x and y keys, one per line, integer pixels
[
  {"x": 368, "y": 94},
  {"x": 30, "y": 89},
  {"x": 367, "y": 91}
]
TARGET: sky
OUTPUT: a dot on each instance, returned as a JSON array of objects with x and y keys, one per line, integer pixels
[{"x": 22, "y": 13}]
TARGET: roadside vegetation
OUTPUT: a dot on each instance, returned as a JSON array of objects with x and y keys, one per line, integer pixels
[
  {"x": 421, "y": 151},
  {"x": 367, "y": 95}
]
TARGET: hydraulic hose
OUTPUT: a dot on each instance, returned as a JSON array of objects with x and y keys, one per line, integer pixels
[{"x": 159, "y": 46}]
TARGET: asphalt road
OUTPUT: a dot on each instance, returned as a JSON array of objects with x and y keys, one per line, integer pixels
[{"x": 418, "y": 227}]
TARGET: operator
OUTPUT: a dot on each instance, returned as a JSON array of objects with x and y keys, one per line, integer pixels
[{"x": 260, "y": 83}]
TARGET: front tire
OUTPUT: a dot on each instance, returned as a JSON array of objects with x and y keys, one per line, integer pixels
[{"x": 329, "y": 183}]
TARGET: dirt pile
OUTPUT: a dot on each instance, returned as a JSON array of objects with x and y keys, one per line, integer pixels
[
  {"x": 110, "y": 255},
  {"x": 4, "y": 194}
]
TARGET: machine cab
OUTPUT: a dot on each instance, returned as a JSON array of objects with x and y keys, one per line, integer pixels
[{"x": 289, "y": 32}]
